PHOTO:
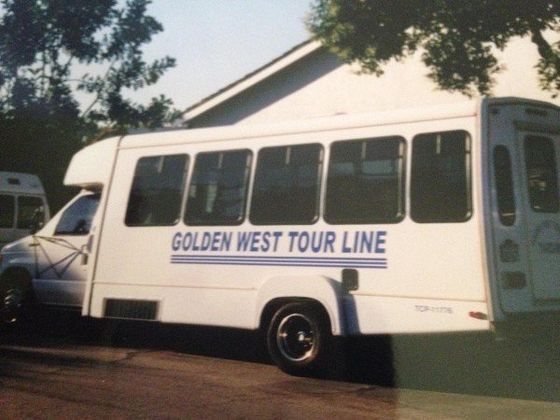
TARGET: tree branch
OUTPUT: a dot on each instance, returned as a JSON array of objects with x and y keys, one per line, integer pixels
[
  {"x": 98, "y": 96},
  {"x": 544, "y": 48}
]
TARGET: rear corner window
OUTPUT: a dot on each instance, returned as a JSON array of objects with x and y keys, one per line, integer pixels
[{"x": 440, "y": 177}]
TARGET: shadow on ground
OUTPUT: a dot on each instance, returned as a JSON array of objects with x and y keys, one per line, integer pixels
[{"x": 463, "y": 363}]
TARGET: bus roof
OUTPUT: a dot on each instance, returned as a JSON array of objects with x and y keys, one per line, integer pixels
[
  {"x": 91, "y": 167},
  {"x": 17, "y": 182},
  {"x": 317, "y": 124},
  {"x": 468, "y": 108}
]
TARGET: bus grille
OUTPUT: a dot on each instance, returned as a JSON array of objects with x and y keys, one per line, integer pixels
[{"x": 131, "y": 309}]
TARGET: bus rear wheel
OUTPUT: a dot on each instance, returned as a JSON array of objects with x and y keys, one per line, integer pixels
[{"x": 299, "y": 338}]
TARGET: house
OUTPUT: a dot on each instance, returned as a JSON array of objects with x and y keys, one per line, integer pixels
[{"x": 309, "y": 81}]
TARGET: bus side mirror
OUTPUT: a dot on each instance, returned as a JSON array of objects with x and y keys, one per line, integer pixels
[{"x": 38, "y": 219}]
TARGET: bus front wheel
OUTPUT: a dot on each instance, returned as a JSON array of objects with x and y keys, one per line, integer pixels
[
  {"x": 15, "y": 299},
  {"x": 299, "y": 338}
]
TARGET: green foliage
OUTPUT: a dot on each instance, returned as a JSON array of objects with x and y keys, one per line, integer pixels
[
  {"x": 44, "y": 47},
  {"x": 458, "y": 38}
]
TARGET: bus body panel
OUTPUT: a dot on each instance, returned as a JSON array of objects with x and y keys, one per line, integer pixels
[
  {"x": 181, "y": 305},
  {"x": 441, "y": 264},
  {"x": 396, "y": 315},
  {"x": 93, "y": 165}
]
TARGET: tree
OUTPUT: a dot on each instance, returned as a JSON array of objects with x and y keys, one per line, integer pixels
[
  {"x": 45, "y": 45},
  {"x": 458, "y": 38}
]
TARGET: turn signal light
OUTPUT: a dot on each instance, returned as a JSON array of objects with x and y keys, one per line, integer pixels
[{"x": 478, "y": 315}]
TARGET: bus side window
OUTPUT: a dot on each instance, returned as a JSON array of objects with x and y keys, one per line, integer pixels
[
  {"x": 157, "y": 191},
  {"x": 365, "y": 181},
  {"x": 504, "y": 185},
  {"x": 540, "y": 160},
  {"x": 287, "y": 182},
  {"x": 440, "y": 178},
  {"x": 218, "y": 190},
  {"x": 7, "y": 211}
]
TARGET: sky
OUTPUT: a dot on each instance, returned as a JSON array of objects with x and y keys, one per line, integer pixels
[{"x": 216, "y": 42}]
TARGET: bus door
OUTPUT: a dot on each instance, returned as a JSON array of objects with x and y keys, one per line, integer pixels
[
  {"x": 526, "y": 220},
  {"x": 62, "y": 254},
  {"x": 540, "y": 205}
]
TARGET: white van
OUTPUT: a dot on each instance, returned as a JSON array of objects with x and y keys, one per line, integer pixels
[
  {"x": 22, "y": 200},
  {"x": 428, "y": 220}
]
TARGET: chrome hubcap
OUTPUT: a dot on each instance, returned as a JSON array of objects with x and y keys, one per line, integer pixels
[
  {"x": 295, "y": 337},
  {"x": 12, "y": 305}
]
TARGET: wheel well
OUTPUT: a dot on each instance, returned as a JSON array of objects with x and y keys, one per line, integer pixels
[
  {"x": 16, "y": 276},
  {"x": 275, "y": 304}
]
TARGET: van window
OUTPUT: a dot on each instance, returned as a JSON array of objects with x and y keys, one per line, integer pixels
[
  {"x": 504, "y": 186},
  {"x": 365, "y": 181},
  {"x": 76, "y": 219},
  {"x": 157, "y": 190},
  {"x": 27, "y": 206},
  {"x": 440, "y": 177},
  {"x": 218, "y": 189},
  {"x": 7, "y": 211},
  {"x": 540, "y": 160},
  {"x": 286, "y": 189}
]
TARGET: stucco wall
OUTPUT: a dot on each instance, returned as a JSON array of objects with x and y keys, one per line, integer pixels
[{"x": 321, "y": 85}]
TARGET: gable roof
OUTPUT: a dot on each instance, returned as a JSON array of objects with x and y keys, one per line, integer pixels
[{"x": 251, "y": 79}]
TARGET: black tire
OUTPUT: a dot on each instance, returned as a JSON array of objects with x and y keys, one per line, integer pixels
[
  {"x": 16, "y": 301},
  {"x": 299, "y": 339}
]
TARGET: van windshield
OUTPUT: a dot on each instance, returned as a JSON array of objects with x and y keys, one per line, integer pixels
[
  {"x": 27, "y": 206},
  {"x": 76, "y": 219},
  {"x": 7, "y": 211}
]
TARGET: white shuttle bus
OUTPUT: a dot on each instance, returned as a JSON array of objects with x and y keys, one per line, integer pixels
[{"x": 428, "y": 220}]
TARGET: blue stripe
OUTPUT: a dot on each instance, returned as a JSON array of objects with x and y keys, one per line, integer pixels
[
  {"x": 309, "y": 263},
  {"x": 242, "y": 257},
  {"x": 202, "y": 260},
  {"x": 281, "y": 261}
]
